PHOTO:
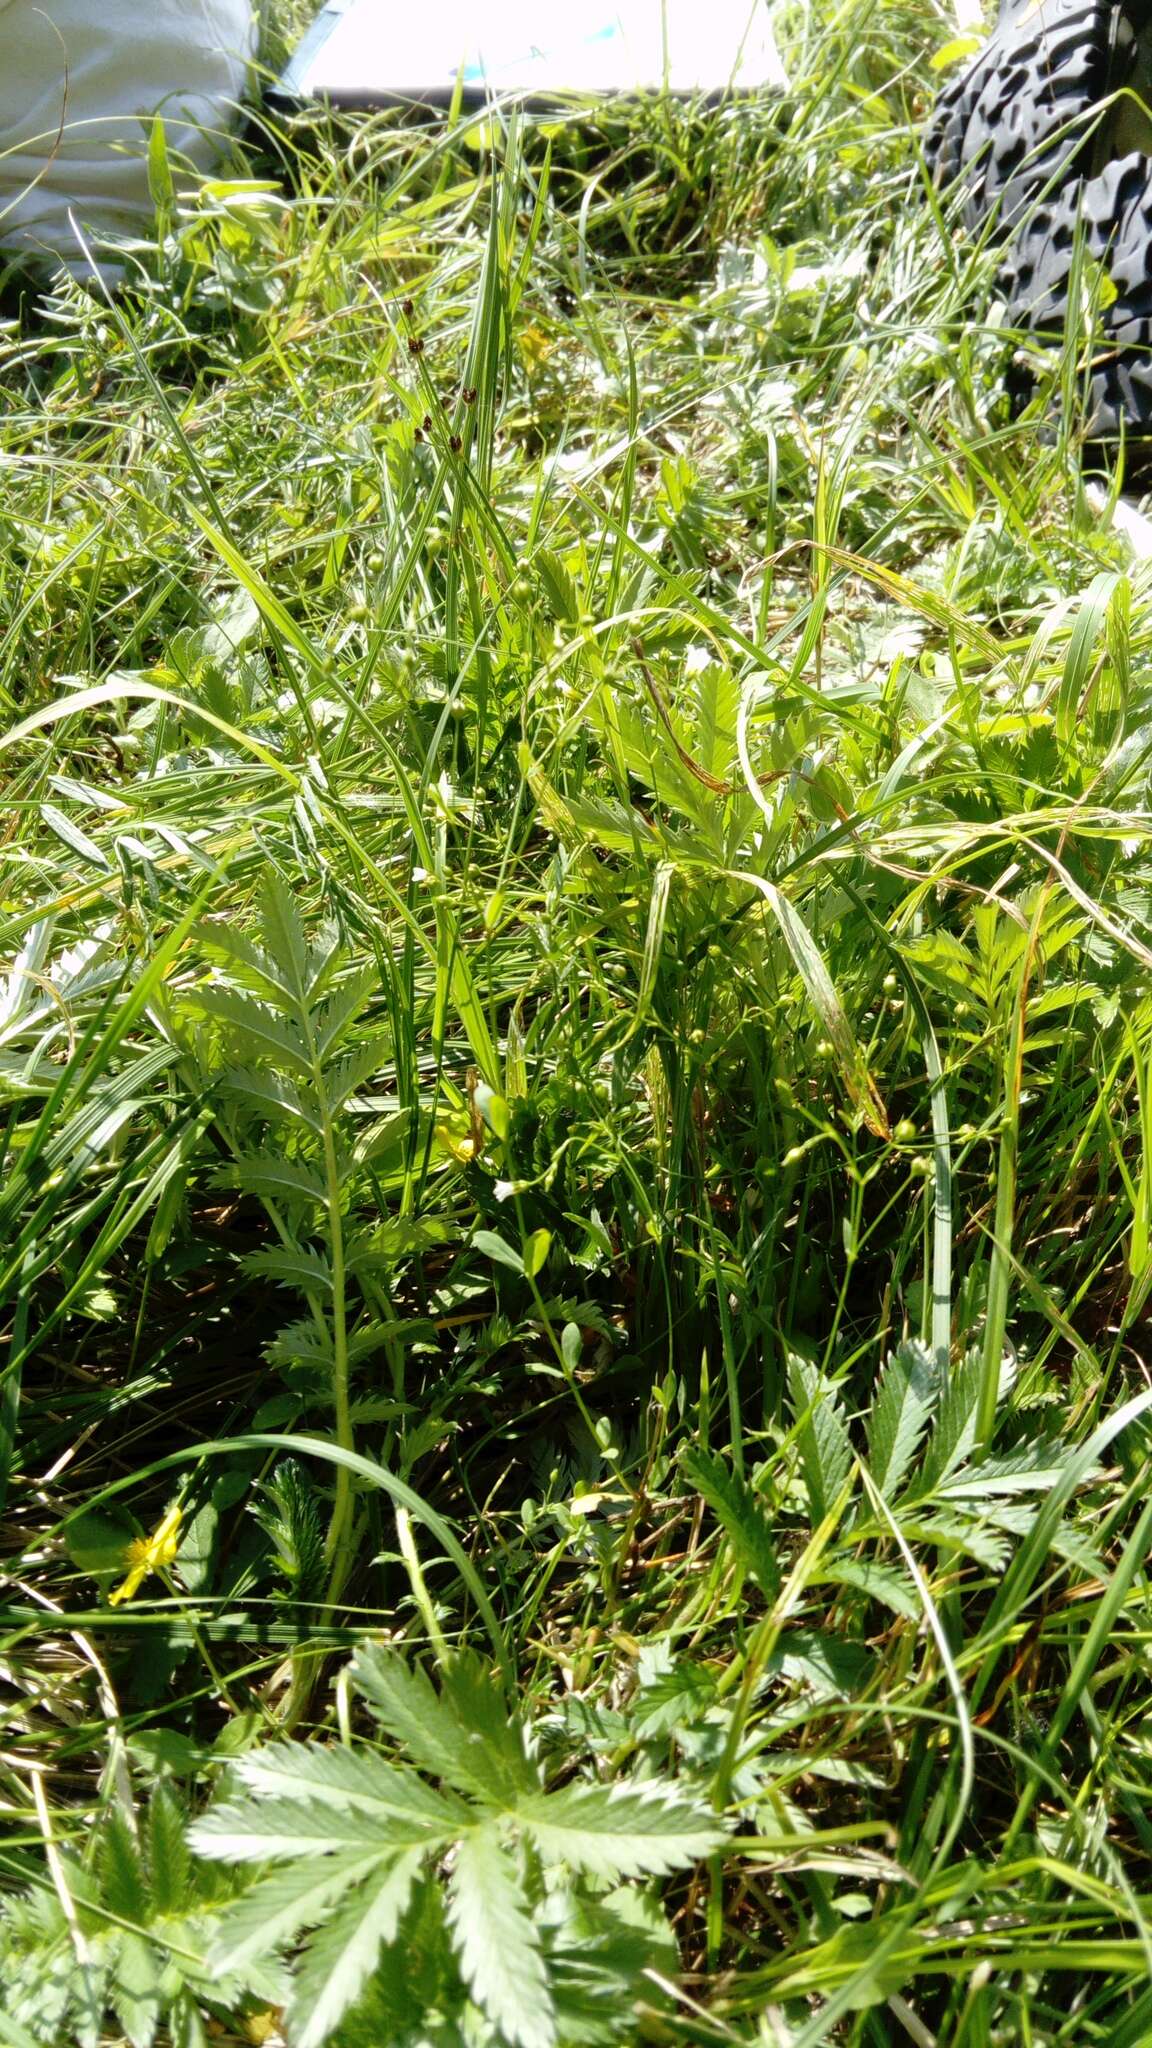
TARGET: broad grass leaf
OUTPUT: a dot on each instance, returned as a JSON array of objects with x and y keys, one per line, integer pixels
[
  {"x": 739, "y": 1514},
  {"x": 618, "y": 1831},
  {"x": 342, "y": 1956},
  {"x": 498, "y": 1942},
  {"x": 1091, "y": 621},
  {"x": 821, "y": 991}
]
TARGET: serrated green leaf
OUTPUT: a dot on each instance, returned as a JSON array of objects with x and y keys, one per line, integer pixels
[
  {"x": 618, "y": 1831},
  {"x": 271, "y": 1095},
  {"x": 280, "y": 1830},
  {"x": 906, "y": 1397},
  {"x": 358, "y": 1067},
  {"x": 498, "y": 1942},
  {"x": 278, "y": 1180},
  {"x": 876, "y": 1582},
  {"x": 341, "y": 1957},
  {"x": 169, "y": 1864},
  {"x": 293, "y": 1266},
  {"x": 462, "y": 1734},
  {"x": 352, "y": 1780},
  {"x": 739, "y": 1514},
  {"x": 275, "y": 1910},
  {"x": 252, "y": 1029},
  {"x": 821, "y": 1436},
  {"x": 135, "y": 1990},
  {"x": 121, "y": 1873},
  {"x": 1035, "y": 1470},
  {"x": 954, "y": 1429}
]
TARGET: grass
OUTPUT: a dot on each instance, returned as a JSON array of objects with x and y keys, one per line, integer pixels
[{"x": 576, "y": 1111}]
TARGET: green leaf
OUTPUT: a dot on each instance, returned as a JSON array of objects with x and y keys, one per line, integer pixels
[
  {"x": 536, "y": 1251},
  {"x": 498, "y": 1942},
  {"x": 341, "y": 1958},
  {"x": 278, "y": 1907},
  {"x": 276, "y": 1179},
  {"x": 121, "y": 1875},
  {"x": 954, "y": 1430},
  {"x": 169, "y": 1864},
  {"x": 135, "y": 1990},
  {"x": 739, "y": 1514},
  {"x": 618, "y": 1831},
  {"x": 283, "y": 1830},
  {"x": 1081, "y": 656},
  {"x": 495, "y": 1247},
  {"x": 821, "y": 1436},
  {"x": 876, "y": 1582},
  {"x": 462, "y": 1734},
  {"x": 295, "y": 1266},
  {"x": 907, "y": 1394},
  {"x": 252, "y": 1029},
  {"x": 355, "y": 1781}
]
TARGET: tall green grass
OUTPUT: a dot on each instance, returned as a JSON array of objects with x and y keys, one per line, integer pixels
[{"x": 574, "y": 1054}]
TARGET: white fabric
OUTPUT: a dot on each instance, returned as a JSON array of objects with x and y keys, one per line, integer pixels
[{"x": 80, "y": 81}]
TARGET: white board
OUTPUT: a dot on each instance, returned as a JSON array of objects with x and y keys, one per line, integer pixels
[{"x": 372, "y": 52}]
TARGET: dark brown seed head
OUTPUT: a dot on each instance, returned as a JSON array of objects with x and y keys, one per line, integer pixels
[
  {"x": 426, "y": 423},
  {"x": 408, "y": 308},
  {"x": 455, "y": 444},
  {"x": 415, "y": 345}
]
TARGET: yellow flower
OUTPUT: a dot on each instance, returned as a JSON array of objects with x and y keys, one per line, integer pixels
[{"x": 150, "y": 1554}]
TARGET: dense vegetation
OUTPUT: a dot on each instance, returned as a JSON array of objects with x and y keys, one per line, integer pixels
[{"x": 575, "y": 1109}]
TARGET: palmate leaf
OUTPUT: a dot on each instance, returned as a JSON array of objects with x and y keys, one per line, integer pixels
[
  {"x": 739, "y": 1514},
  {"x": 498, "y": 1942},
  {"x": 462, "y": 1734},
  {"x": 907, "y": 1395},
  {"x": 618, "y": 1831},
  {"x": 342, "y": 1956}
]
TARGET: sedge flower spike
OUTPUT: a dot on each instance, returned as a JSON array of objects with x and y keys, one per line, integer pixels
[{"x": 152, "y": 1553}]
